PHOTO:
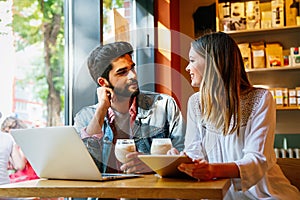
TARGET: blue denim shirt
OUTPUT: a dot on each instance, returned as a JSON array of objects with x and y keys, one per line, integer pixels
[{"x": 158, "y": 117}]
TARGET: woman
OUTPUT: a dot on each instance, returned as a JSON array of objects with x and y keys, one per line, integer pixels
[
  {"x": 26, "y": 172},
  {"x": 9, "y": 156},
  {"x": 231, "y": 124}
]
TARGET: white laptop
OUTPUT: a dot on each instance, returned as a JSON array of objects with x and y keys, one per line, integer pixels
[{"x": 59, "y": 153}]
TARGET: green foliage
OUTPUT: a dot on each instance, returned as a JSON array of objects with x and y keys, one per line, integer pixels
[{"x": 29, "y": 21}]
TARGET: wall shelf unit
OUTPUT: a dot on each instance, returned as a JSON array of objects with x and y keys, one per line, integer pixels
[{"x": 287, "y": 118}]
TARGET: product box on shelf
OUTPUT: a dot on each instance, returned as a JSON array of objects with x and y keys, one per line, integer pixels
[
  {"x": 266, "y": 15},
  {"x": 238, "y": 10},
  {"x": 224, "y": 16},
  {"x": 292, "y": 98},
  {"x": 295, "y": 56},
  {"x": 274, "y": 55},
  {"x": 285, "y": 96},
  {"x": 232, "y": 16},
  {"x": 291, "y": 12},
  {"x": 277, "y": 13},
  {"x": 237, "y": 16},
  {"x": 298, "y": 95},
  {"x": 278, "y": 92},
  {"x": 294, "y": 51},
  {"x": 252, "y": 15},
  {"x": 246, "y": 54},
  {"x": 258, "y": 54},
  {"x": 295, "y": 60}
]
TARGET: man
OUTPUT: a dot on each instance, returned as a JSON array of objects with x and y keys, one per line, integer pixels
[{"x": 123, "y": 111}]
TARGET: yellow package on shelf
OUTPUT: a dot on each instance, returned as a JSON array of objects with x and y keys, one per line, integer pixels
[
  {"x": 258, "y": 54},
  {"x": 246, "y": 54},
  {"x": 274, "y": 55}
]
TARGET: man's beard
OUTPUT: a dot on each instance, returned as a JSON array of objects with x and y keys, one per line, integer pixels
[{"x": 126, "y": 92}]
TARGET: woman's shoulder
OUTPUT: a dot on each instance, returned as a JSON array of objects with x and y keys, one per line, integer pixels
[
  {"x": 253, "y": 100},
  {"x": 194, "y": 98},
  {"x": 194, "y": 103},
  {"x": 256, "y": 95},
  {"x": 6, "y": 138}
]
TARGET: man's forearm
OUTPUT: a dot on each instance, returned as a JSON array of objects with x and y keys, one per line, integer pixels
[{"x": 95, "y": 125}]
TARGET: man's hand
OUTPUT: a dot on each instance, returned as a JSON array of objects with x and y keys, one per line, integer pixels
[
  {"x": 135, "y": 165},
  {"x": 173, "y": 151},
  {"x": 105, "y": 96}
]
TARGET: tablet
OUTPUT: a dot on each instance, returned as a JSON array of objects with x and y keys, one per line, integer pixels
[{"x": 166, "y": 165}]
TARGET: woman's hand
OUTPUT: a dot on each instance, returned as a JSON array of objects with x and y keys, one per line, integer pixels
[{"x": 200, "y": 169}]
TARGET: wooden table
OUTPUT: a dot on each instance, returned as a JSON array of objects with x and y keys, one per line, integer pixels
[{"x": 148, "y": 186}]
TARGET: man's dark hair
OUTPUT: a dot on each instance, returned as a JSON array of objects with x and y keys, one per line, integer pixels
[{"x": 100, "y": 59}]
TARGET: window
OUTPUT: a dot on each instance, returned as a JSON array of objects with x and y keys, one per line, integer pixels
[{"x": 32, "y": 61}]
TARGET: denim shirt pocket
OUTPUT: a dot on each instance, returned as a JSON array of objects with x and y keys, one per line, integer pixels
[{"x": 144, "y": 134}]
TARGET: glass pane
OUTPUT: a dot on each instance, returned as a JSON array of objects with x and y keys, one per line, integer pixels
[
  {"x": 32, "y": 61},
  {"x": 116, "y": 20}
]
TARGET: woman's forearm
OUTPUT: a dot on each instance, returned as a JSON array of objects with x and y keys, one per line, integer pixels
[{"x": 225, "y": 170}]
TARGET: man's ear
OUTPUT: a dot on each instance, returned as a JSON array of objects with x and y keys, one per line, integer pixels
[{"x": 103, "y": 82}]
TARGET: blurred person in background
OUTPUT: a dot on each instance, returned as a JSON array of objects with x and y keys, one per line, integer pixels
[
  {"x": 10, "y": 155},
  {"x": 27, "y": 172}
]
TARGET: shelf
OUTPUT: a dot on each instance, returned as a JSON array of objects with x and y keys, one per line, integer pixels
[
  {"x": 287, "y": 36},
  {"x": 273, "y": 69},
  {"x": 287, "y": 118},
  {"x": 288, "y": 108},
  {"x": 261, "y": 31}
]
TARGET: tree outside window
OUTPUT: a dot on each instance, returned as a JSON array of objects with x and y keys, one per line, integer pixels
[{"x": 32, "y": 51}]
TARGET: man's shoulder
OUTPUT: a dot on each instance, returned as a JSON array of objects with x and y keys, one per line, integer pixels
[
  {"x": 87, "y": 109},
  {"x": 147, "y": 99},
  {"x": 150, "y": 94}
]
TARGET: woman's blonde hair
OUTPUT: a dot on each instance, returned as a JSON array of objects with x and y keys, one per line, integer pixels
[{"x": 223, "y": 80}]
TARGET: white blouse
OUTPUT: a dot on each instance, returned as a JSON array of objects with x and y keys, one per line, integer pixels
[
  {"x": 252, "y": 150},
  {"x": 6, "y": 145}
]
